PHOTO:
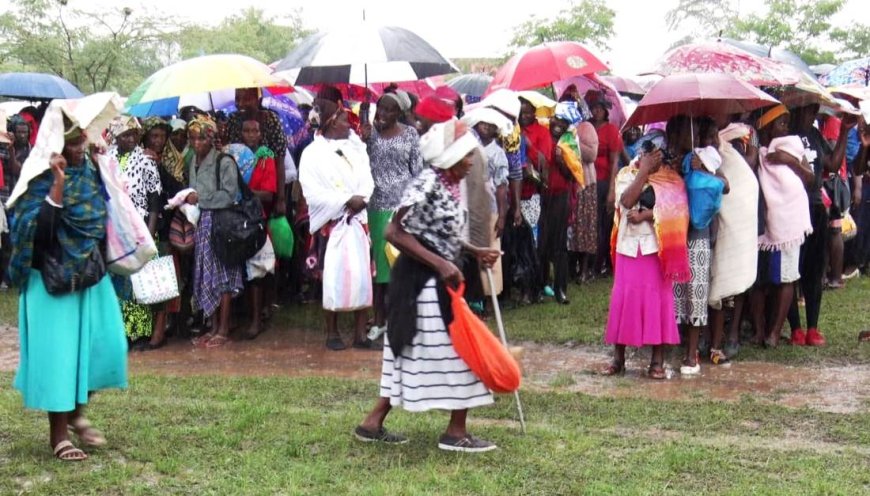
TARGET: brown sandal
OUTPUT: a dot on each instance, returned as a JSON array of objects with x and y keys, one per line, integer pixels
[
  {"x": 66, "y": 452},
  {"x": 216, "y": 342},
  {"x": 613, "y": 369},
  {"x": 86, "y": 433},
  {"x": 656, "y": 372}
]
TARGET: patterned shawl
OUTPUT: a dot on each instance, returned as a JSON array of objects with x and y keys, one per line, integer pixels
[
  {"x": 671, "y": 222},
  {"x": 82, "y": 220},
  {"x": 245, "y": 159}
]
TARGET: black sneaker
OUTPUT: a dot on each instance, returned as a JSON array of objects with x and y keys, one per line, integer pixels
[
  {"x": 381, "y": 435},
  {"x": 467, "y": 444}
]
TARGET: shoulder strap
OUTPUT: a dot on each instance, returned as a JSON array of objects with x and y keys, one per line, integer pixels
[{"x": 243, "y": 188}]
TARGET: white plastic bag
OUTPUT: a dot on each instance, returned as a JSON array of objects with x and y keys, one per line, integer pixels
[
  {"x": 129, "y": 245},
  {"x": 347, "y": 269},
  {"x": 156, "y": 282},
  {"x": 262, "y": 263}
]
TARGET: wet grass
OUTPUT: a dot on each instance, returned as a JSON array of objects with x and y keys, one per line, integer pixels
[
  {"x": 844, "y": 314},
  {"x": 209, "y": 435}
]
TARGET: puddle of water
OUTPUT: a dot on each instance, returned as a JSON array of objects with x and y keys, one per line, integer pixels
[{"x": 545, "y": 367}]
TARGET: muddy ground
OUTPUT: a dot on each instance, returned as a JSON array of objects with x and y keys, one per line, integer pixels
[{"x": 841, "y": 389}]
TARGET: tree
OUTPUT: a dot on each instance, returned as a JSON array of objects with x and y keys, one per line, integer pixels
[
  {"x": 95, "y": 50},
  {"x": 589, "y": 21},
  {"x": 802, "y": 26},
  {"x": 249, "y": 33}
]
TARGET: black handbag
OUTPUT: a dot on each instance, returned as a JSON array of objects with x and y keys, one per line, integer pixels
[
  {"x": 239, "y": 231},
  {"x": 58, "y": 281}
]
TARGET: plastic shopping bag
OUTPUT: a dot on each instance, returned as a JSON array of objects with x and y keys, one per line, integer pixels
[
  {"x": 156, "y": 282},
  {"x": 262, "y": 263},
  {"x": 347, "y": 268},
  {"x": 129, "y": 245},
  {"x": 484, "y": 354}
]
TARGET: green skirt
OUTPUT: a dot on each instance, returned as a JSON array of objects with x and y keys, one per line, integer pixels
[
  {"x": 71, "y": 345},
  {"x": 378, "y": 221}
]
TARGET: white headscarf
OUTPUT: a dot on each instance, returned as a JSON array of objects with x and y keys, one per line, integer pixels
[
  {"x": 491, "y": 116},
  {"x": 446, "y": 143}
]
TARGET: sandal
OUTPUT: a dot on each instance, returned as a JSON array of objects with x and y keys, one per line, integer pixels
[
  {"x": 65, "y": 451},
  {"x": 718, "y": 357},
  {"x": 201, "y": 341},
  {"x": 656, "y": 372},
  {"x": 86, "y": 433},
  {"x": 216, "y": 342},
  {"x": 613, "y": 369}
]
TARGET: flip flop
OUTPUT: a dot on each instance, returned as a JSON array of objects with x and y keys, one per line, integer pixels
[{"x": 216, "y": 342}]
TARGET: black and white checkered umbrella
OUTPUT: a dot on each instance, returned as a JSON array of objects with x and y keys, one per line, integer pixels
[{"x": 363, "y": 54}]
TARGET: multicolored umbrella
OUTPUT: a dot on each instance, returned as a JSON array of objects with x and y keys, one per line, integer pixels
[
  {"x": 474, "y": 84},
  {"x": 201, "y": 75},
  {"x": 543, "y": 64},
  {"x": 718, "y": 57},
  {"x": 364, "y": 53},
  {"x": 36, "y": 86},
  {"x": 697, "y": 95},
  {"x": 852, "y": 72}
]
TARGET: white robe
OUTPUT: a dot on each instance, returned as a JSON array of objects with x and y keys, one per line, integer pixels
[{"x": 330, "y": 173}]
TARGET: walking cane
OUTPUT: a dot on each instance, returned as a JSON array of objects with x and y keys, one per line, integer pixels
[{"x": 504, "y": 340}]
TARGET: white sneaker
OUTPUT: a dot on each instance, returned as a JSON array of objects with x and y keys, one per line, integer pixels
[
  {"x": 690, "y": 369},
  {"x": 375, "y": 332}
]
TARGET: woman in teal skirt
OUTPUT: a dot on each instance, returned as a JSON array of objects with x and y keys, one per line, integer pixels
[{"x": 72, "y": 341}]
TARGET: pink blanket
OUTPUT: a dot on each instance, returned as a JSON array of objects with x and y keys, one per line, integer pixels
[{"x": 787, "y": 221}]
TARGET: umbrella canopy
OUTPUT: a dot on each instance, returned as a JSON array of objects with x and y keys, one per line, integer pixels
[
  {"x": 772, "y": 52},
  {"x": 625, "y": 85},
  {"x": 807, "y": 91},
  {"x": 617, "y": 111},
  {"x": 719, "y": 57},
  {"x": 474, "y": 84},
  {"x": 200, "y": 75},
  {"x": 36, "y": 86},
  {"x": 855, "y": 72},
  {"x": 697, "y": 95},
  {"x": 543, "y": 64},
  {"x": 422, "y": 88},
  {"x": 364, "y": 53},
  {"x": 822, "y": 69}
]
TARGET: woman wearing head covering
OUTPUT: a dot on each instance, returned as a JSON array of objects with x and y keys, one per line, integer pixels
[
  {"x": 784, "y": 175},
  {"x": 143, "y": 183},
  {"x": 606, "y": 166},
  {"x": 583, "y": 218},
  {"x": 158, "y": 148},
  {"x": 650, "y": 254},
  {"x": 72, "y": 342},
  {"x": 337, "y": 183},
  {"x": 394, "y": 154},
  {"x": 214, "y": 177},
  {"x": 421, "y": 370}
]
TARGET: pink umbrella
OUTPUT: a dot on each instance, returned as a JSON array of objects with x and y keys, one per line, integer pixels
[
  {"x": 618, "y": 113},
  {"x": 697, "y": 95},
  {"x": 541, "y": 65},
  {"x": 718, "y": 57},
  {"x": 625, "y": 85},
  {"x": 349, "y": 91},
  {"x": 422, "y": 88}
]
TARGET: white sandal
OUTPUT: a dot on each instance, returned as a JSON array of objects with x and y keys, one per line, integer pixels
[{"x": 86, "y": 433}]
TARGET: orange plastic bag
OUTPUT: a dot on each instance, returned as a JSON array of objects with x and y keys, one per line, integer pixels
[{"x": 480, "y": 349}]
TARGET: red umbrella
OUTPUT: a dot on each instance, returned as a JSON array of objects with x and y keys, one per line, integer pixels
[
  {"x": 422, "y": 88},
  {"x": 696, "y": 95},
  {"x": 718, "y": 57},
  {"x": 349, "y": 91},
  {"x": 541, "y": 65}
]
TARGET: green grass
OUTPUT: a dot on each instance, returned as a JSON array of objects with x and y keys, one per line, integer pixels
[
  {"x": 210, "y": 435},
  {"x": 844, "y": 314}
]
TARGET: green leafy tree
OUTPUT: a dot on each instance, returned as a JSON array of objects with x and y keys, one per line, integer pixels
[
  {"x": 587, "y": 21},
  {"x": 249, "y": 33},
  {"x": 95, "y": 50}
]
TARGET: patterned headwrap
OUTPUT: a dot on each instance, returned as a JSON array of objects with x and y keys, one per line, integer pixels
[
  {"x": 122, "y": 125},
  {"x": 15, "y": 121},
  {"x": 203, "y": 125},
  {"x": 151, "y": 123},
  {"x": 568, "y": 112}
]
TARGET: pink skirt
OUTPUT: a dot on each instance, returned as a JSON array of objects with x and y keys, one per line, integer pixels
[{"x": 641, "y": 305}]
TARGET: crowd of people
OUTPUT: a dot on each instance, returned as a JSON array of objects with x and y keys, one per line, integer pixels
[{"x": 707, "y": 224}]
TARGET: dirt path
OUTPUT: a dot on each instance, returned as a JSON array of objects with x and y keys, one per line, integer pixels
[{"x": 546, "y": 367}]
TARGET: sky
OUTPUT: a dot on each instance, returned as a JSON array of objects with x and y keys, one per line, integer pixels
[{"x": 461, "y": 28}]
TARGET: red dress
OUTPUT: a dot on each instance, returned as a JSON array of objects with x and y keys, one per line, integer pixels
[
  {"x": 609, "y": 141},
  {"x": 264, "y": 179}
]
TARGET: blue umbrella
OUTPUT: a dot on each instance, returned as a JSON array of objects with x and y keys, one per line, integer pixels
[{"x": 36, "y": 86}]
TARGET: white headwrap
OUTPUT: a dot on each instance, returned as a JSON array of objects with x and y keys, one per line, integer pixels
[
  {"x": 491, "y": 116},
  {"x": 446, "y": 143},
  {"x": 507, "y": 101}
]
